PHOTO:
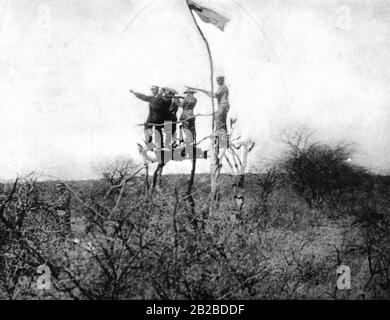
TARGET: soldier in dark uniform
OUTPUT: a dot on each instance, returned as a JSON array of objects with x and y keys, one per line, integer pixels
[
  {"x": 171, "y": 107},
  {"x": 187, "y": 116},
  {"x": 156, "y": 112}
]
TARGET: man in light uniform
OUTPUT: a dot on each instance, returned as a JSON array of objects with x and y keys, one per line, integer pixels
[
  {"x": 187, "y": 116},
  {"x": 222, "y": 96}
]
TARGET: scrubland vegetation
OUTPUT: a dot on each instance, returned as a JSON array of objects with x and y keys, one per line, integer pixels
[{"x": 303, "y": 216}]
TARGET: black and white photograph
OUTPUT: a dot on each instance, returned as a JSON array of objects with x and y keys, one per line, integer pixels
[{"x": 208, "y": 151}]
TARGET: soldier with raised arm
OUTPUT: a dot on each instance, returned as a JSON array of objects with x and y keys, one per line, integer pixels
[
  {"x": 156, "y": 112},
  {"x": 222, "y": 96}
]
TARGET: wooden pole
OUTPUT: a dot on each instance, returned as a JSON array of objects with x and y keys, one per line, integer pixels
[{"x": 215, "y": 167}]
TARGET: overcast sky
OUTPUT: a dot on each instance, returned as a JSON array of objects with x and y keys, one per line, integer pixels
[{"x": 66, "y": 67}]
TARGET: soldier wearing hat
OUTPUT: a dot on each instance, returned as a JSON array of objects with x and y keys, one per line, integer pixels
[
  {"x": 222, "y": 96},
  {"x": 187, "y": 116},
  {"x": 156, "y": 111},
  {"x": 172, "y": 104}
]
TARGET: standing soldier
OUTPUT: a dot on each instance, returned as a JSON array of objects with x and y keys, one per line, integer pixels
[
  {"x": 222, "y": 96},
  {"x": 155, "y": 112},
  {"x": 171, "y": 107},
  {"x": 187, "y": 116},
  {"x": 62, "y": 207}
]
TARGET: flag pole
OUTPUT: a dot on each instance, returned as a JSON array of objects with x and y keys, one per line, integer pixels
[
  {"x": 215, "y": 168},
  {"x": 210, "y": 62}
]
